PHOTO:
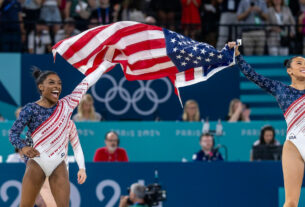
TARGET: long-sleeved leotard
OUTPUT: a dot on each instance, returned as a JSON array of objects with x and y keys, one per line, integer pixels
[
  {"x": 48, "y": 127},
  {"x": 290, "y": 100},
  {"x": 76, "y": 146}
]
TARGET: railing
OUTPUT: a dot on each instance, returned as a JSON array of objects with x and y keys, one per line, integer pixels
[{"x": 287, "y": 36}]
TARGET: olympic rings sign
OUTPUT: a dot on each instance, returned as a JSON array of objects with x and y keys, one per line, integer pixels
[{"x": 132, "y": 99}]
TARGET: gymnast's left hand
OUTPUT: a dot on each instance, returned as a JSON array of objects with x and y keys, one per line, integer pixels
[{"x": 81, "y": 176}]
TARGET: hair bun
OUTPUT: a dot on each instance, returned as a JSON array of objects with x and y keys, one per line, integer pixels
[
  {"x": 286, "y": 62},
  {"x": 36, "y": 72}
]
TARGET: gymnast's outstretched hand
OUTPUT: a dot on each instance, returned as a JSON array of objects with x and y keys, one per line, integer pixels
[{"x": 233, "y": 44}]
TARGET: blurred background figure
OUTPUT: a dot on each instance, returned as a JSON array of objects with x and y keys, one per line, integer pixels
[
  {"x": 136, "y": 196},
  {"x": 191, "y": 111},
  {"x": 69, "y": 30},
  {"x": 2, "y": 119},
  {"x": 280, "y": 37},
  {"x": 207, "y": 152},
  {"x": 39, "y": 40},
  {"x": 211, "y": 12},
  {"x": 238, "y": 111},
  {"x": 12, "y": 32},
  {"x": 228, "y": 17},
  {"x": 31, "y": 13},
  {"x": 253, "y": 14},
  {"x": 50, "y": 13},
  {"x": 86, "y": 110},
  {"x": 131, "y": 11},
  {"x": 105, "y": 13},
  {"x": 166, "y": 12},
  {"x": 267, "y": 138},
  {"x": 15, "y": 157},
  {"x": 190, "y": 20},
  {"x": 111, "y": 152}
]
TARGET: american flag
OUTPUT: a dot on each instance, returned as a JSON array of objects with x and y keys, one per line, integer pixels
[{"x": 144, "y": 52}]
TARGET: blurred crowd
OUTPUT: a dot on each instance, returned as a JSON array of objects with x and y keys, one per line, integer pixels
[{"x": 266, "y": 26}]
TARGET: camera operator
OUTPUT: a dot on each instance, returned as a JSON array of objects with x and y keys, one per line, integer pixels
[{"x": 136, "y": 197}]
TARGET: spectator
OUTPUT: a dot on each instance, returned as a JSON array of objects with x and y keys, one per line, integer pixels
[
  {"x": 253, "y": 13},
  {"x": 111, "y": 152},
  {"x": 81, "y": 11},
  {"x": 191, "y": 111},
  {"x": 93, "y": 23},
  {"x": 1, "y": 118},
  {"x": 228, "y": 17},
  {"x": 301, "y": 21},
  {"x": 279, "y": 37},
  {"x": 132, "y": 12},
  {"x": 166, "y": 12},
  {"x": 31, "y": 10},
  {"x": 68, "y": 30},
  {"x": 15, "y": 157},
  {"x": 190, "y": 20},
  {"x": 12, "y": 33},
  {"x": 136, "y": 197},
  {"x": 238, "y": 111},
  {"x": 210, "y": 20},
  {"x": 297, "y": 7},
  {"x": 86, "y": 110},
  {"x": 105, "y": 13},
  {"x": 39, "y": 41},
  {"x": 207, "y": 152},
  {"x": 50, "y": 13},
  {"x": 267, "y": 137}
]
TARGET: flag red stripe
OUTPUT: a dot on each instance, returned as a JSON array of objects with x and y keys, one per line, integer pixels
[
  {"x": 189, "y": 74},
  {"x": 145, "y": 45},
  {"x": 154, "y": 75},
  {"x": 81, "y": 42},
  {"x": 143, "y": 64},
  {"x": 115, "y": 38}
]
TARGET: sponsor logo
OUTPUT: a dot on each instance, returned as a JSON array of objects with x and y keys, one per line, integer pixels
[
  {"x": 292, "y": 136},
  {"x": 62, "y": 155}
]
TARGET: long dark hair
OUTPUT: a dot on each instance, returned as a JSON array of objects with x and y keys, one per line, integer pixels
[
  {"x": 40, "y": 75},
  {"x": 263, "y": 130}
]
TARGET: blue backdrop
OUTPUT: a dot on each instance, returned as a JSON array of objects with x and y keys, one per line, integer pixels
[
  {"x": 187, "y": 184},
  {"x": 117, "y": 99}
]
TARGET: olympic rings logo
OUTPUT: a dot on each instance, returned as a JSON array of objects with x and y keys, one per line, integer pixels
[{"x": 132, "y": 99}]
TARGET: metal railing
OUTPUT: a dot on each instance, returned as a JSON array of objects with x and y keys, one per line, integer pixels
[{"x": 10, "y": 32}]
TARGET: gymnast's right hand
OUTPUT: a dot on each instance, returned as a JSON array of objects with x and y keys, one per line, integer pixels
[
  {"x": 30, "y": 152},
  {"x": 233, "y": 44}
]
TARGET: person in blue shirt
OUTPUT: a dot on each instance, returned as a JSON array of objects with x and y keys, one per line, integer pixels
[{"x": 207, "y": 152}]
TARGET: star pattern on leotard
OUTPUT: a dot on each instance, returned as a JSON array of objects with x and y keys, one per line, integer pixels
[{"x": 32, "y": 115}]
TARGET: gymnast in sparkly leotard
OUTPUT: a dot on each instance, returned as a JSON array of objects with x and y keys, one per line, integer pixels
[
  {"x": 48, "y": 121},
  {"x": 291, "y": 99}
]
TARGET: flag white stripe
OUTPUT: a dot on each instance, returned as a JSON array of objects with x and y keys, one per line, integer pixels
[
  {"x": 152, "y": 69},
  {"x": 180, "y": 77},
  {"x": 139, "y": 37},
  {"x": 66, "y": 44},
  {"x": 198, "y": 72},
  {"x": 98, "y": 40},
  {"x": 146, "y": 55}
]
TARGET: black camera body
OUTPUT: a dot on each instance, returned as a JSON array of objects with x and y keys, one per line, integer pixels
[{"x": 154, "y": 194}]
